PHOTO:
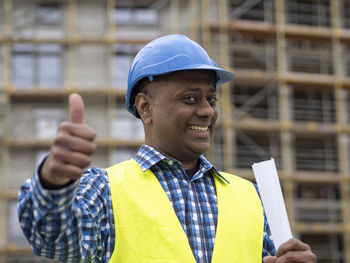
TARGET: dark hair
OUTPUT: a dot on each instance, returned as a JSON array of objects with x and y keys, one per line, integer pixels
[{"x": 144, "y": 87}]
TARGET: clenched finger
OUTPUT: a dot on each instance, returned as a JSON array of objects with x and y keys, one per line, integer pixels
[
  {"x": 292, "y": 245},
  {"x": 60, "y": 172},
  {"x": 74, "y": 143},
  {"x": 70, "y": 157},
  {"x": 78, "y": 129},
  {"x": 297, "y": 257}
]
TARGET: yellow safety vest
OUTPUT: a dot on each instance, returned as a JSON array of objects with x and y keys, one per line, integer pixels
[{"x": 148, "y": 230}]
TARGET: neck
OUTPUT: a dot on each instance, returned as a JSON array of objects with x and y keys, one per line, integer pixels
[{"x": 188, "y": 163}]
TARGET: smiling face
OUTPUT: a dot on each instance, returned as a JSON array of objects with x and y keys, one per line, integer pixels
[{"x": 180, "y": 118}]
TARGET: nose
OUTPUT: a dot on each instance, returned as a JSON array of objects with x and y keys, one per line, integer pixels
[{"x": 205, "y": 109}]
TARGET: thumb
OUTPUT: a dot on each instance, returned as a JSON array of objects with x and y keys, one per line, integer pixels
[{"x": 76, "y": 108}]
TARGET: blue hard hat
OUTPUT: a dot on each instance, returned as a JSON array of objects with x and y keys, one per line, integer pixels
[{"x": 168, "y": 54}]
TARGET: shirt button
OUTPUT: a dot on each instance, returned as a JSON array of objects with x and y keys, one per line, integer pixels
[
  {"x": 195, "y": 217},
  {"x": 200, "y": 254},
  {"x": 171, "y": 162}
]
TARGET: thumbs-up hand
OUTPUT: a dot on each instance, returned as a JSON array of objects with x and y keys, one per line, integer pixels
[{"x": 71, "y": 149}]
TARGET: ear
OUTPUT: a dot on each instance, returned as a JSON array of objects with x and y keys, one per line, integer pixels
[{"x": 144, "y": 107}]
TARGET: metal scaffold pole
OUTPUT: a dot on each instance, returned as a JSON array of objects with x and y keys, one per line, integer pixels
[
  {"x": 194, "y": 20},
  {"x": 285, "y": 115},
  {"x": 205, "y": 25},
  {"x": 72, "y": 47},
  {"x": 343, "y": 138},
  {"x": 7, "y": 8},
  {"x": 174, "y": 16},
  {"x": 225, "y": 97}
]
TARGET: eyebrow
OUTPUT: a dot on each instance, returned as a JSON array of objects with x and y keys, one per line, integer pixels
[{"x": 213, "y": 89}]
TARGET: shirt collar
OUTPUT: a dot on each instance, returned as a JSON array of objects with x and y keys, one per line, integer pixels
[
  {"x": 147, "y": 157},
  {"x": 208, "y": 166}
]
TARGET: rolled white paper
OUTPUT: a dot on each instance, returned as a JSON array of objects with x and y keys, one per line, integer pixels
[{"x": 271, "y": 195}]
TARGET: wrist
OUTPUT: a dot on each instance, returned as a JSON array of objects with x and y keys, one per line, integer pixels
[{"x": 50, "y": 184}]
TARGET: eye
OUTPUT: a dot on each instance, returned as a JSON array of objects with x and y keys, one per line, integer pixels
[
  {"x": 212, "y": 100},
  {"x": 190, "y": 100}
]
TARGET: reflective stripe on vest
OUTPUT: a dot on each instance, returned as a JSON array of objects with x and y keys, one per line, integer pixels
[{"x": 148, "y": 230}]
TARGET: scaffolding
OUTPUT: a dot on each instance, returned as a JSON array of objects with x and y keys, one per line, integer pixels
[
  {"x": 50, "y": 49},
  {"x": 289, "y": 99}
]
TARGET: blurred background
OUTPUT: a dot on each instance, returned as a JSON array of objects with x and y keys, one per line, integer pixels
[{"x": 289, "y": 99}]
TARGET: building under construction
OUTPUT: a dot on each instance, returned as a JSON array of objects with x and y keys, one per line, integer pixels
[{"x": 289, "y": 99}]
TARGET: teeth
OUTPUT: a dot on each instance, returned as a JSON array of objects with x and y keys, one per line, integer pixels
[{"x": 198, "y": 128}]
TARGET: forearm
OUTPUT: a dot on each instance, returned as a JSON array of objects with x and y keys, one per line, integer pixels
[
  {"x": 74, "y": 223},
  {"x": 50, "y": 220}
]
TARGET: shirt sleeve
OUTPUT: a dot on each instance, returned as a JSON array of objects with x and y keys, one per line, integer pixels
[
  {"x": 70, "y": 224},
  {"x": 268, "y": 245}
]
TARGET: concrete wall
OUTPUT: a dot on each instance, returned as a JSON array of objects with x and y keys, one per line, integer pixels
[
  {"x": 2, "y": 18},
  {"x": 92, "y": 18},
  {"x": 3, "y": 223},
  {"x": 100, "y": 158},
  {"x": 122, "y": 154},
  {"x": 2, "y": 113},
  {"x": 21, "y": 124},
  {"x": 22, "y": 163},
  {"x": 34, "y": 121},
  {"x": 1, "y": 62},
  {"x": 96, "y": 114},
  {"x": 23, "y": 18},
  {"x": 26, "y": 24},
  {"x": 126, "y": 127},
  {"x": 14, "y": 231},
  {"x": 93, "y": 65}
]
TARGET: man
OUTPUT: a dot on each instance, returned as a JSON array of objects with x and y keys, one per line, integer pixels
[{"x": 168, "y": 204}]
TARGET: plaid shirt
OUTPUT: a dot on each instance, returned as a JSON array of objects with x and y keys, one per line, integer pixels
[{"x": 76, "y": 224}]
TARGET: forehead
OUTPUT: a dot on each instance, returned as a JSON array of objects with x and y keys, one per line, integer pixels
[
  {"x": 203, "y": 76},
  {"x": 184, "y": 81}
]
